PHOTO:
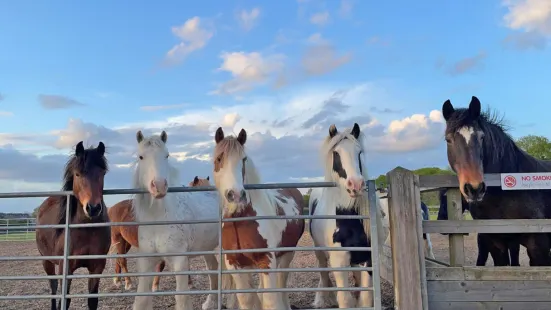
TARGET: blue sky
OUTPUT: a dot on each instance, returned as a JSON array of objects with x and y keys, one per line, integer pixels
[{"x": 100, "y": 70}]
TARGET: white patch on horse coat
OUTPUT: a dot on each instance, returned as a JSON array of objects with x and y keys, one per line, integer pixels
[{"x": 467, "y": 133}]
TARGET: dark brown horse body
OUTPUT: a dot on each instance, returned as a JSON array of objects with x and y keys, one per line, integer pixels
[
  {"x": 126, "y": 237},
  {"x": 478, "y": 144},
  {"x": 84, "y": 175}
]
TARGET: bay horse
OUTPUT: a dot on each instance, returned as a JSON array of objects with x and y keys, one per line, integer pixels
[
  {"x": 154, "y": 173},
  {"x": 84, "y": 176},
  {"x": 233, "y": 168},
  {"x": 478, "y": 143},
  {"x": 429, "y": 252},
  {"x": 125, "y": 237},
  {"x": 509, "y": 256},
  {"x": 342, "y": 156}
]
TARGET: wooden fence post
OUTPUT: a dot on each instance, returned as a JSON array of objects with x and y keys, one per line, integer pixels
[
  {"x": 455, "y": 212},
  {"x": 403, "y": 204}
]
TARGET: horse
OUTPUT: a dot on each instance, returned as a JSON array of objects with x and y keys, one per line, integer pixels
[
  {"x": 508, "y": 255},
  {"x": 125, "y": 237},
  {"x": 342, "y": 154},
  {"x": 154, "y": 173},
  {"x": 386, "y": 223},
  {"x": 84, "y": 175},
  {"x": 233, "y": 168},
  {"x": 478, "y": 143}
]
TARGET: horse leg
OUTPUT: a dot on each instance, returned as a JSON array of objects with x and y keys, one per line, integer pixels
[
  {"x": 514, "y": 251},
  {"x": 96, "y": 267},
  {"x": 483, "y": 250},
  {"x": 282, "y": 277},
  {"x": 181, "y": 263},
  {"x": 341, "y": 259},
  {"x": 538, "y": 250},
  {"x": 69, "y": 272},
  {"x": 272, "y": 301},
  {"x": 127, "y": 280},
  {"x": 242, "y": 281},
  {"x": 324, "y": 299},
  {"x": 159, "y": 268},
  {"x": 212, "y": 299},
  {"x": 366, "y": 297},
  {"x": 428, "y": 247},
  {"x": 49, "y": 268},
  {"x": 145, "y": 264}
]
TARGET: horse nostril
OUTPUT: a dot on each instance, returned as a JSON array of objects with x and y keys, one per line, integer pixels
[
  {"x": 230, "y": 195},
  {"x": 243, "y": 195},
  {"x": 152, "y": 184}
]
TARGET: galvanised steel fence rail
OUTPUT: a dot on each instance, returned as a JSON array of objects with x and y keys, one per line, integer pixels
[{"x": 376, "y": 288}]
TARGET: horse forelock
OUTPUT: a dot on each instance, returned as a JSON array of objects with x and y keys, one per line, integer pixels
[
  {"x": 329, "y": 145},
  {"x": 228, "y": 148}
]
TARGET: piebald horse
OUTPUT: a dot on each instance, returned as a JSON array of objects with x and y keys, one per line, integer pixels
[
  {"x": 342, "y": 154},
  {"x": 233, "y": 168},
  {"x": 155, "y": 174}
]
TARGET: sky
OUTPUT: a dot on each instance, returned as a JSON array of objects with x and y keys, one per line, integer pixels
[{"x": 283, "y": 70}]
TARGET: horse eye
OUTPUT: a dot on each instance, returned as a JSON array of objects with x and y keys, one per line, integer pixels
[
  {"x": 77, "y": 174},
  {"x": 167, "y": 155},
  {"x": 219, "y": 158},
  {"x": 141, "y": 157}
]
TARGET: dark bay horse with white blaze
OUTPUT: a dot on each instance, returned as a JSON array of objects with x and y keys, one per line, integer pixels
[
  {"x": 478, "y": 143},
  {"x": 84, "y": 175}
]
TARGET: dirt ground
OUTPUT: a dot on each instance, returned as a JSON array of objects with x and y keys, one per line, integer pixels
[{"x": 299, "y": 300}]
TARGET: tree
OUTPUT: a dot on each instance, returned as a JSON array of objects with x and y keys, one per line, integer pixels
[
  {"x": 537, "y": 146},
  {"x": 35, "y": 212}
]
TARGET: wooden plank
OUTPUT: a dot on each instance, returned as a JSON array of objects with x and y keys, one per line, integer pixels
[
  {"x": 488, "y": 226},
  {"x": 386, "y": 265},
  {"x": 403, "y": 207},
  {"x": 489, "y": 305},
  {"x": 451, "y": 181},
  {"x": 421, "y": 244},
  {"x": 457, "y": 243},
  {"x": 488, "y": 273},
  {"x": 526, "y": 291}
]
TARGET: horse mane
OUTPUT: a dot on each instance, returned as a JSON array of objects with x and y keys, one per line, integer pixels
[
  {"x": 154, "y": 142},
  {"x": 88, "y": 160},
  {"x": 501, "y": 154},
  {"x": 229, "y": 146}
]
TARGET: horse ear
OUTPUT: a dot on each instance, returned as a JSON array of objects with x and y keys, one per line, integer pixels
[
  {"x": 474, "y": 107},
  {"x": 208, "y": 178},
  {"x": 242, "y": 137},
  {"x": 219, "y": 135},
  {"x": 332, "y": 131},
  {"x": 356, "y": 130},
  {"x": 139, "y": 136},
  {"x": 101, "y": 148},
  {"x": 79, "y": 149},
  {"x": 196, "y": 180},
  {"x": 447, "y": 109},
  {"x": 164, "y": 136}
]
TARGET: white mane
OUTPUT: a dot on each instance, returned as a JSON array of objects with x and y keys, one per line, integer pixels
[{"x": 142, "y": 200}]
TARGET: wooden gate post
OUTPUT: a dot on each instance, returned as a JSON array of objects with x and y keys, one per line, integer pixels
[
  {"x": 457, "y": 243},
  {"x": 403, "y": 203}
]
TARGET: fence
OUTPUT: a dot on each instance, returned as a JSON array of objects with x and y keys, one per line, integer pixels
[
  {"x": 375, "y": 248},
  {"x": 418, "y": 286},
  {"x": 18, "y": 229}
]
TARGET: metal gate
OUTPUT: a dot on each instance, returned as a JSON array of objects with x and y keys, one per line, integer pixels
[{"x": 375, "y": 248}]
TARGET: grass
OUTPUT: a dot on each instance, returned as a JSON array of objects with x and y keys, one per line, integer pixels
[{"x": 25, "y": 236}]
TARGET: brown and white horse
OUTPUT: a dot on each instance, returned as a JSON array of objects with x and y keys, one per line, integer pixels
[
  {"x": 125, "y": 237},
  {"x": 233, "y": 168}
]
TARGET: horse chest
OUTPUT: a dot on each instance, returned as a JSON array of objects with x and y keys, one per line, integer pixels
[
  {"x": 351, "y": 233},
  {"x": 245, "y": 235}
]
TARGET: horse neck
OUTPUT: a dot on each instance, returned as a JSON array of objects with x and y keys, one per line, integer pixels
[{"x": 261, "y": 200}]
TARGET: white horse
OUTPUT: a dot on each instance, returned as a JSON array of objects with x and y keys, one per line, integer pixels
[
  {"x": 232, "y": 169},
  {"x": 155, "y": 174},
  {"x": 342, "y": 154},
  {"x": 386, "y": 223}
]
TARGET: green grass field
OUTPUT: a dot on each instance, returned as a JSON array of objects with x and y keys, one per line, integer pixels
[{"x": 18, "y": 236}]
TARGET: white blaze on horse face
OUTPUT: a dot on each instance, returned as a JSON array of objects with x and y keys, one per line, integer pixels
[
  {"x": 230, "y": 183},
  {"x": 349, "y": 157},
  {"x": 467, "y": 133},
  {"x": 154, "y": 168}
]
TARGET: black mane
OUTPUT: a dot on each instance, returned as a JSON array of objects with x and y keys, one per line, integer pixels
[
  {"x": 501, "y": 154},
  {"x": 90, "y": 159}
]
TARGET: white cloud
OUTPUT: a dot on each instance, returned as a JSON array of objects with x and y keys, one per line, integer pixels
[
  {"x": 162, "y": 107},
  {"x": 284, "y": 135},
  {"x": 321, "y": 57},
  {"x": 6, "y": 114},
  {"x": 192, "y": 37},
  {"x": 247, "y": 19},
  {"x": 320, "y": 18},
  {"x": 56, "y": 102},
  {"x": 248, "y": 70},
  {"x": 533, "y": 18},
  {"x": 345, "y": 8}
]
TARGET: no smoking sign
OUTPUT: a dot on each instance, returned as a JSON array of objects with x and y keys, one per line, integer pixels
[
  {"x": 509, "y": 181},
  {"x": 525, "y": 181}
]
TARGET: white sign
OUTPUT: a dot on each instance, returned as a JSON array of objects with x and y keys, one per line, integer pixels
[{"x": 526, "y": 181}]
